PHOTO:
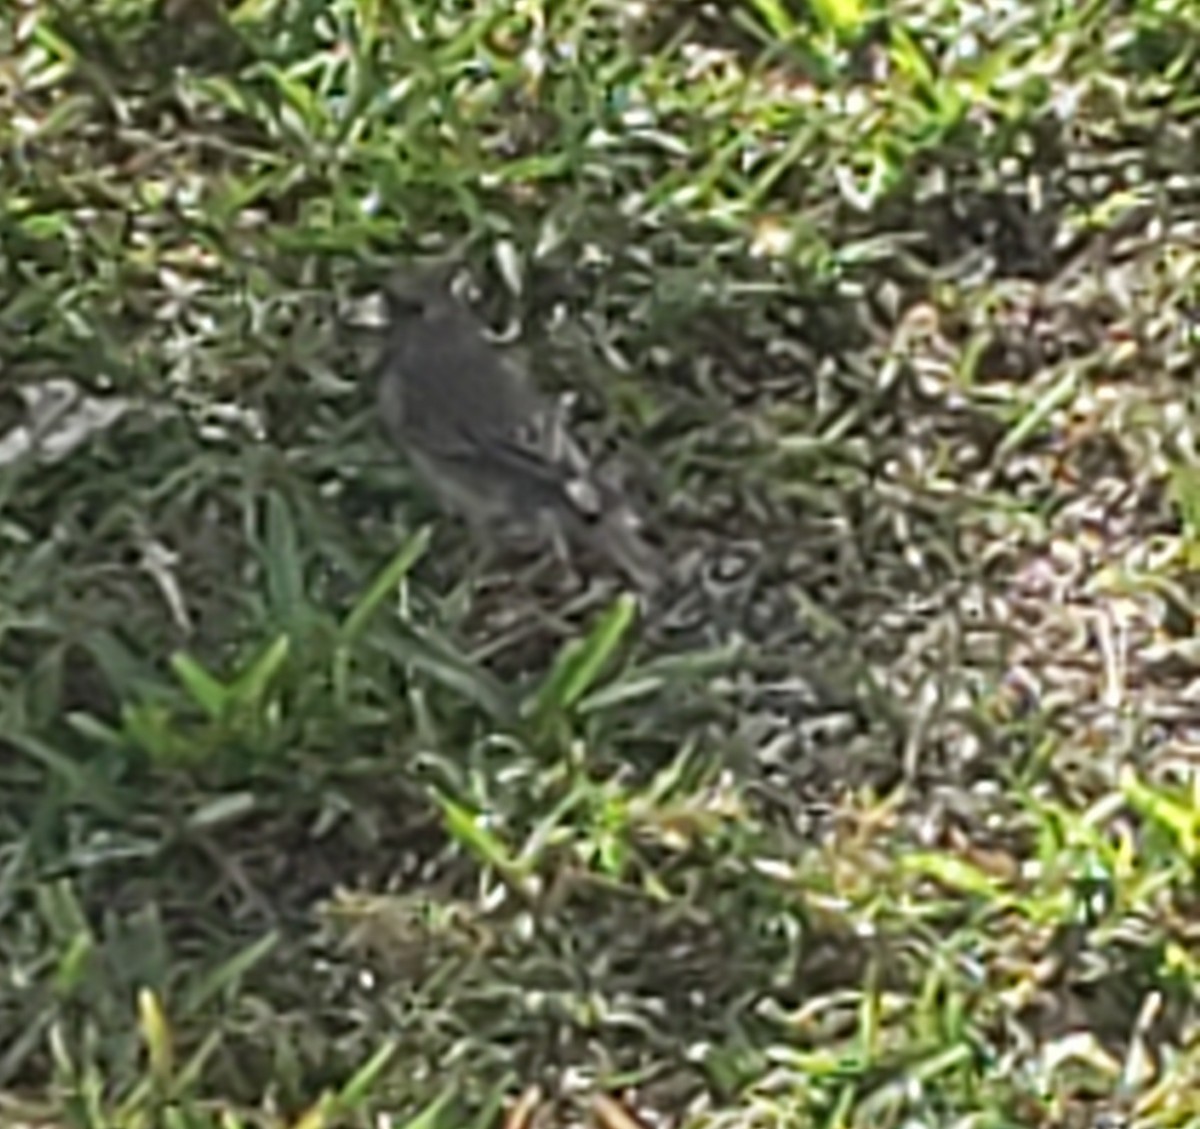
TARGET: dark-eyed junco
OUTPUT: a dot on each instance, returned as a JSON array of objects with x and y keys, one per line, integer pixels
[{"x": 488, "y": 446}]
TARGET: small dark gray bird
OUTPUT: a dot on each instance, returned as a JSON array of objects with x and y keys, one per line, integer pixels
[{"x": 488, "y": 446}]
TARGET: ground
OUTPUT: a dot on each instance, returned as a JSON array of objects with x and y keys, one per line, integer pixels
[{"x": 883, "y": 812}]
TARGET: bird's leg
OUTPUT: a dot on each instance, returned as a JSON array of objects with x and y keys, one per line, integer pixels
[
  {"x": 558, "y": 541},
  {"x": 548, "y": 530},
  {"x": 483, "y": 551}
]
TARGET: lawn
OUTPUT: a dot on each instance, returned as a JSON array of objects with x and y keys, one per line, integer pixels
[{"x": 883, "y": 812}]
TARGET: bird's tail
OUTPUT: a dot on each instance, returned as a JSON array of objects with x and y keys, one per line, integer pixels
[
  {"x": 615, "y": 536},
  {"x": 600, "y": 515}
]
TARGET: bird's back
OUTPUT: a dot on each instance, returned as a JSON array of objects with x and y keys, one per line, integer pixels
[{"x": 483, "y": 439}]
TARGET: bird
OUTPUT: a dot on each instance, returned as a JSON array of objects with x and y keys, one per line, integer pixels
[{"x": 488, "y": 446}]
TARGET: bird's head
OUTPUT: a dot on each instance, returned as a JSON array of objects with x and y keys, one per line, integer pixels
[{"x": 418, "y": 291}]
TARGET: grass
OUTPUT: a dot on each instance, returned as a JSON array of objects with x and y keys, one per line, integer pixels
[{"x": 886, "y": 815}]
